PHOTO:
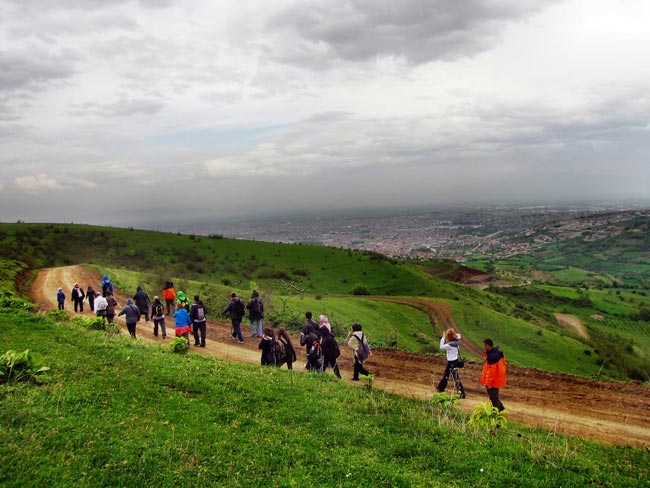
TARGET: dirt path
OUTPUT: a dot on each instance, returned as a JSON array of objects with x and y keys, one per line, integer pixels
[
  {"x": 572, "y": 322},
  {"x": 604, "y": 411}
]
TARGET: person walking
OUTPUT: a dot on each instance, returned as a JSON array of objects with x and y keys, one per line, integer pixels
[
  {"x": 100, "y": 306},
  {"x": 142, "y": 301},
  {"x": 106, "y": 286},
  {"x": 329, "y": 346},
  {"x": 169, "y": 295},
  {"x": 493, "y": 375},
  {"x": 450, "y": 342},
  {"x": 197, "y": 314},
  {"x": 285, "y": 342},
  {"x": 313, "y": 350},
  {"x": 77, "y": 295},
  {"x": 255, "y": 308},
  {"x": 158, "y": 317},
  {"x": 60, "y": 299},
  {"x": 314, "y": 325},
  {"x": 267, "y": 345},
  {"x": 111, "y": 305},
  {"x": 359, "y": 344},
  {"x": 183, "y": 324},
  {"x": 182, "y": 301},
  {"x": 91, "y": 295},
  {"x": 235, "y": 309},
  {"x": 132, "y": 315}
]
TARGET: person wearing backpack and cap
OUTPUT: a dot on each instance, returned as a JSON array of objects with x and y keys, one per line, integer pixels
[
  {"x": 197, "y": 314},
  {"x": 158, "y": 317},
  {"x": 255, "y": 308},
  {"x": 359, "y": 344},
  {"x": 182, "y": 301},
  {"x": 77, "y": 294},
  {"x": 106, "y": 286}
]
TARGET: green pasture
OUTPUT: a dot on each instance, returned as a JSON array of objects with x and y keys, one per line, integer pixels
[{"x": 121, "y": 412}]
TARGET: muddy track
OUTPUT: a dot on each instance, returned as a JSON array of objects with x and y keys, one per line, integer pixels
[{"x": 604, "y": 411}]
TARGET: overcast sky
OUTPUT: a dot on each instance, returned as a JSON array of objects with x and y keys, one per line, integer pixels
[{"x": 157, "y": 110}]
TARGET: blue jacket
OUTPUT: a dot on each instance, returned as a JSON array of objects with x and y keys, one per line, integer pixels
[
  {"x": 182, "y": 318},
  {"x": 60, "y": 297}
]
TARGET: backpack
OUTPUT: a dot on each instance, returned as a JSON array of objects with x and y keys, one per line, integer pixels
[
  {"x": 200, "y": 313},
  {"x": 364, "y": 351},
  {"x": 241, "y": 309},
  {"x": 255, "y": 306},
  {"x": 106, "y": 287},
  {"x": 335, "y": 351},
  {"x": 315, "y": 351},
  {"x": 279, "y": 352},
  {"x": 158, "y": 309}
]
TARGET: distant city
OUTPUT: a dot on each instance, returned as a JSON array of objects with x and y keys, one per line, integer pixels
[{"x": 454, "y": 234}]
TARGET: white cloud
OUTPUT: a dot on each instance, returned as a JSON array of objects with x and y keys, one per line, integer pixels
[{"x": 43, "y": 183}]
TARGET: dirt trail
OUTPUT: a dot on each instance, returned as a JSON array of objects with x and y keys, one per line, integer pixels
[
  {"x": 605, "y": 411},
  {"x": 572, "y": 322}
]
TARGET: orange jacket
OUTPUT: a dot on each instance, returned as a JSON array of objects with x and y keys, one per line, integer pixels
[
  {"x": 494, "y": 369},
  {"x": 169, "y": 294}
]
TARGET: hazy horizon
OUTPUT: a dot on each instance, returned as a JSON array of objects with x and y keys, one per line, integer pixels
[{"x": 118, "y": 113}]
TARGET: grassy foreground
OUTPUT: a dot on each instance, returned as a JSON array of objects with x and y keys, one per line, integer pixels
[{"x": 117, "y": 412}]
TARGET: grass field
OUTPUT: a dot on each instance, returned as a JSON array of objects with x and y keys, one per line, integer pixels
[{"x": 118, "y": 412}]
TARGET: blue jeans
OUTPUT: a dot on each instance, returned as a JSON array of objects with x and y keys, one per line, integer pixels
[{"x": 256, "y": 327}]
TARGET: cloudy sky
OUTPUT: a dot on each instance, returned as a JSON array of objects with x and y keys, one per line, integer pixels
[{"x": 157, "y": 110}]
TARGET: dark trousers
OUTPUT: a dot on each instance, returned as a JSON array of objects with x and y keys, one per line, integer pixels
[
  {"x": 358, "y": 369},
  {"x": 493, "y": 394},
  {"x": 131, "y": 328},
  {"x": 61, "y": 305},
  {"x": 453, "y": 371},
  {"x": 236, "y": 330},
  {"x": 170, "y": 304},
  {"x": 91, "y": 303},
  {"x": 335, "y": 367},
  {"x": 199, "y": 333},
  {"x": 79, "y": 304},
  {"x": 163, "y": 329}
]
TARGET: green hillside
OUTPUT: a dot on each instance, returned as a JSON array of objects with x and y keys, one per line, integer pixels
[
  {"x": 295, "y": 278},
  {"x": 117, "y": 412}
]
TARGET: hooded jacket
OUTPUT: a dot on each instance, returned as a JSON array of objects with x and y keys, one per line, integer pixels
[
  {"x": 131, "y": 312},
  {"x": 141, "y": 300},
  {"x": 255, "y": 313},
  {"x": 494, "y": 369},
  {"x": 182, "y": 301}
]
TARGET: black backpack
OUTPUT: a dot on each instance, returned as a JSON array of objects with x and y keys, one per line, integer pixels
[
  {"x": 278, "y": 352},
  {"x": 315, "y": 351},
  {"x": 158, "y": 309}
]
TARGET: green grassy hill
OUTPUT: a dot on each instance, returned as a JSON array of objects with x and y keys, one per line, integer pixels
[
  {"x": 295, "y": 278},
  {"x": 119, "y": 412}
]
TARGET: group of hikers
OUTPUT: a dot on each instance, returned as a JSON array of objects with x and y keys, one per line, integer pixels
[{"x": 321, "y": 347}]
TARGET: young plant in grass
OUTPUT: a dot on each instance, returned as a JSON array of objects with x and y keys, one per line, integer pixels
[
  {"x": 179, "y": 346},
  {"x": 487, "y": 417},
  {"x": 20, "y": 366}
]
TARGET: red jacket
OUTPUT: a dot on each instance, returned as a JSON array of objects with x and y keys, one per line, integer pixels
[{"x": 169, "y": 294}]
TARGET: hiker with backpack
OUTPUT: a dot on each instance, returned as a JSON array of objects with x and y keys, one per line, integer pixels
[
  {"x": 450, "y": 342},
  {"x": 270, "y": 352},
  {"x": 182, "y": 301},
  {"x": 308, "y": 316},
  {"x": 169, "y": 295},
  {"x": 235, "y": 309},
  {"x": 183, "y": 324},
  {"x": 329, "y": 346},
  {"x": 255, "y": 308},
  {"x": 197, "y": 314},
  {"x": 158, "y": 317},
  {"x": 313, "y": 349},
  {"x": 77, "y": 294},
  {"x": 285, "y": 343},
  {"x": 359, "y": 344},
  {"x": 106, "y": 286},
  {"x": 60, "y": 299},
  {"x": 142, "y": 301},
  {"x": 493, "y": 375},
  {"x": 111, "y": 305},
  {"x": 132, "y": 315}
]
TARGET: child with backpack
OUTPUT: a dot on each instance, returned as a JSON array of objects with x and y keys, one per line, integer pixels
[
  {"x": 359, "y": 344},
  {"x": 269, "y": 350},
  {"x": 285, "y": 342},
  {"x": 329, "y": 346},
  {"x": 311, "y": 341},
  {"x": 158, "y": 316}
]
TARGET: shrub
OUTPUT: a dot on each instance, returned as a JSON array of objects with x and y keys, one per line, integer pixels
[
  {"x": 485, "y": 416},
  {"x": 21, "y": 366},
  {"x": 360, "y": 289},
  {"x": 179, "y": 346},
  {"x": 92, "y": 323},
  {"x": 445, "y": 400}
]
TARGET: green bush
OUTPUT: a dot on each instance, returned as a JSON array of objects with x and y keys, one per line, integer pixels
[
  {"x": 15, "y": 366},
  {"x": 179, "y": 346}
]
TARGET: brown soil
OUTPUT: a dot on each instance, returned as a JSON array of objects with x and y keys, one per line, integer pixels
[{"x": 604, "y": 411}]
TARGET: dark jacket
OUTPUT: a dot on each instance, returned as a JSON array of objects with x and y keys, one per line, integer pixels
[
  {"x": 255, "y": 312},
  {"x": 194, "y": 311},
  {"x": 234, "y": 309},
  {"x": 112, "y": 303},
  {"x": 77, "y": 294},
  {"x": 328, "y": 344},
  {"x": 289, "y": 351},
  {"x": 266, "y": 345},
  {"x": 308, "y": 340},
  {"x": 141, "y": 300},
  {"x": 90, "y": 294}
]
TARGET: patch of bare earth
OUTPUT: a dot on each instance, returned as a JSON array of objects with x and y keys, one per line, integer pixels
[{"x": 604, "y": 411}]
